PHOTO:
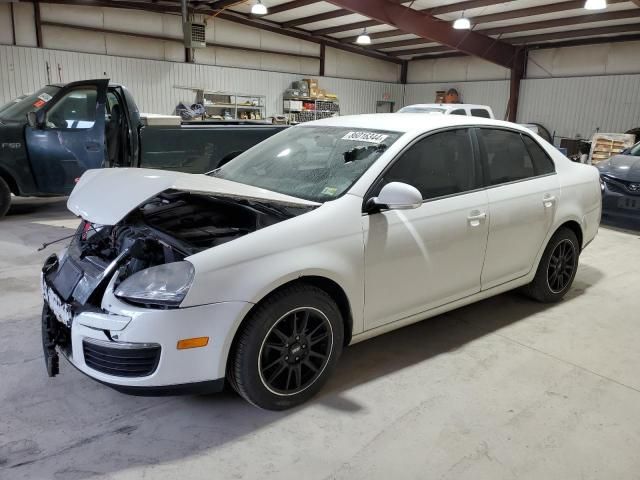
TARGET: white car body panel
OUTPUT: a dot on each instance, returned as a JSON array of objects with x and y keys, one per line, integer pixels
[
  {"x": 394, "y": 267},
  {"x": 106, "y": 196}
]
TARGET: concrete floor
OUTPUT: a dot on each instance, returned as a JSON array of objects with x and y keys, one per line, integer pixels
[{"x": 505, "y": 388}]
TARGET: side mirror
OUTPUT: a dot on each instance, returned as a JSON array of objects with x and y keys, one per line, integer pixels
[
  {"x": 35, "y": 119},
  {"x": 396, "y": 196}
]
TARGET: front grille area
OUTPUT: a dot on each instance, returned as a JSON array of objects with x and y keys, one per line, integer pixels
[
  {"x": 121, "y": 360},
  {"x": 622, "y": 186}
]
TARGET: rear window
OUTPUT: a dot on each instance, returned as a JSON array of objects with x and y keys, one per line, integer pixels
[
  {"x": 480, "y": 112},
  {"x": 541, "y": 161}
]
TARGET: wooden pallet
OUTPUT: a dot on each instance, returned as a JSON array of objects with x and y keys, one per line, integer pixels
[{"x": 605, "y": 145}]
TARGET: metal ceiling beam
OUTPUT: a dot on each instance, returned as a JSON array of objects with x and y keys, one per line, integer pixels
[
  {"x": 429, "y": 27},
  {"x": 563, "y": 22},
  {"x": 585, "y": 32},
  {"x": 326, "y": 16},
  {"x": 455, "y": 7},
  {"x": 532, "y": 11},
  {"x": 567, "y": 39},
  {"x": 237, "y": 18},
  {"x": 284, "y": 7},
  {"x": 528, "y": 26},
  {"x": 221, "y": 4},
  {"x": 317, "y": 18}
]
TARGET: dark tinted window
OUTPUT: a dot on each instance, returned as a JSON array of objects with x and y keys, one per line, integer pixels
[
  {"x": 438, "y": 165},
  {"x": 507, "y": 156},
  {"x": 458, "y": 112},
  {"x": 480, "y": 112},
  {"x": 541, "y": 161}
]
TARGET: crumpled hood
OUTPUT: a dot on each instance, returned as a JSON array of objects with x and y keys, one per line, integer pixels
[
  {"x": 106, "y": 196},
  {"x": 623, "y": 167}
]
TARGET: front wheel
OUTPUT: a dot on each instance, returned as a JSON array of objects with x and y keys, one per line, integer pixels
[
  {"x": 288, "y": 348},
  {"x": 557, "y": 268},
  {"x": 5, "y": 197}
]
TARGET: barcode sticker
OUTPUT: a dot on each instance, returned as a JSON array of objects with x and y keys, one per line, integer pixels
[{"x": 368, "y": 137}]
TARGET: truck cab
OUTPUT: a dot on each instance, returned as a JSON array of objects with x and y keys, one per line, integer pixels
[{"x": 49, "y": 138}]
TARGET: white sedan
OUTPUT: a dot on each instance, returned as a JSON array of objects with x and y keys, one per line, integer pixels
[{"x": 324, "y": 235}]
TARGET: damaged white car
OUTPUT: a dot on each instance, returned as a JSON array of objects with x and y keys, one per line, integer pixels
[{"x": 326, "y": 234}]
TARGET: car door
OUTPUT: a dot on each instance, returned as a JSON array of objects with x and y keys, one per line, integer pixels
[
  {"x": 523, "y": 190},
  {"x": 419, "y": 259},
  {"x": 69, "y": 137}
]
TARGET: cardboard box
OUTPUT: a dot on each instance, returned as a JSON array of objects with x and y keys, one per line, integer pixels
[
  {"x": 314, "y": 92},
  {"x": 313, "y": 82}
]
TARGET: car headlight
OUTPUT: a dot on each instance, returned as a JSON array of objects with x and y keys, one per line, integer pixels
[
  {"x": 164, "y": 285},
  {"x": 602, "y": 184}
]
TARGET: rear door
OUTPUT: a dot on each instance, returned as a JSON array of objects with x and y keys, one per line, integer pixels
[
  {"x": 71, "y": 138},
  {"x": 523, "y": 189}
]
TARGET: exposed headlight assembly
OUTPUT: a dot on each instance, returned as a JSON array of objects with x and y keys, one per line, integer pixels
[{"x": 164, "y": 285}]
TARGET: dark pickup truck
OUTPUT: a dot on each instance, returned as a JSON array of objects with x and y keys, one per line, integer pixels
[{"x": 49, "y": 138}]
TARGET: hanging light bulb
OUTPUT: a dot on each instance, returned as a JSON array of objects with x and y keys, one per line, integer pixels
[
  {"x": 258, "y": 8},
  {"x": 364, "y": 38},
  {"x": 462, "y": 23},
  {"x": 595, "y": 4}
]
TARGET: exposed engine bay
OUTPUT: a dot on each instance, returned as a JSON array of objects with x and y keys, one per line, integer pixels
[{"x": 166, "y": 228}]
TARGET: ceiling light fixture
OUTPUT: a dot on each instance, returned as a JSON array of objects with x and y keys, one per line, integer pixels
[
  {"x": 595, "y": 4},
  {"x": 462, "y": 23},
  {"x": 364, "y": 38},
  {"x": 258, "y": 8}
]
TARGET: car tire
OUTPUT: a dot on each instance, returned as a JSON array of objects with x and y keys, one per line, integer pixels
[
  {"x": 287, "y": 348},
  {"x": 5, "y": 197},
  {"x": 557, "y": 268}
]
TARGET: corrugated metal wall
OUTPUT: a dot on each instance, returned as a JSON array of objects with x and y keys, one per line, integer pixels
[
  {"x": 578, "y": 106},
  {"x": 494, "y": 93},
  {"x": 153, "y": 83}
]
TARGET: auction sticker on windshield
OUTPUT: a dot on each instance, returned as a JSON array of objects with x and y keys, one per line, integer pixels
[{"x": 369, "y": 137}]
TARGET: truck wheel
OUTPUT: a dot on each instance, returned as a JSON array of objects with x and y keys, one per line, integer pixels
[
  {"x": 5, "y": 197},
  {"x": 557, "y": 268},
  {"x": 287, "y": 349}
]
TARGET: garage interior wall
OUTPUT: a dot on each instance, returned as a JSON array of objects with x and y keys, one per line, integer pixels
[
  {"x": 158, "y": 86},
  {"x": 572, "y": 91}
]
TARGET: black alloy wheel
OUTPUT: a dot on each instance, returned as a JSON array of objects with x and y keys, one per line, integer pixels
[
  {"x": 561, "y": 266},
  {"x": 557, "y": 267},
  {"x": 295, "y": 351},
  {"x": 287, "y": 347}
]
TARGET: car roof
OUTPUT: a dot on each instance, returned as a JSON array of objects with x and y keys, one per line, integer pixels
[{"x": 409, "y": 122}]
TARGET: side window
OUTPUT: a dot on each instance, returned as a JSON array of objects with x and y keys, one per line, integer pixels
[
  {"x": 541, "y": 161},
  {"x": 460, "y": 111},
  {"x": 438, "y": 165},
  {"x": 75, "y": 110},
  {"x": 480, "y": 112},
  {"x": 507, "y": 157},
  {"x": 112, "y": 100}
]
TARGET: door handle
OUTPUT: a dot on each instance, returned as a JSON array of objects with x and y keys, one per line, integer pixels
[
  {"x": 475, "y": 218},
  {"x": 549, "y": 201}
]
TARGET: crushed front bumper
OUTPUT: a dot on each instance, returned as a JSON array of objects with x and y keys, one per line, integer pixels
[{"x": 134, "y": 349}]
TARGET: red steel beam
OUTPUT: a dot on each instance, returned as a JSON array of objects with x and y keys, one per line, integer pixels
[{"x": 429, "y": 27}]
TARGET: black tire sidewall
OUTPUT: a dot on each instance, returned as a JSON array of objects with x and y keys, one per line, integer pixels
[
  {"x": 247, "y": 379},
  {"x": 541, "y": 283},
  {"x": 5, "y": 197}
]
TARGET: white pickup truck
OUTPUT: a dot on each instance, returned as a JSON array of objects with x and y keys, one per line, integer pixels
[{"x": 450, "y": 109}]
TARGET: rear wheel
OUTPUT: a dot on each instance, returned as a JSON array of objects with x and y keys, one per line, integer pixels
[
  {"x": 288, "y": 348},
  {"x": 5, "y": 197},
  {"x": 557, "y": 268}
]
